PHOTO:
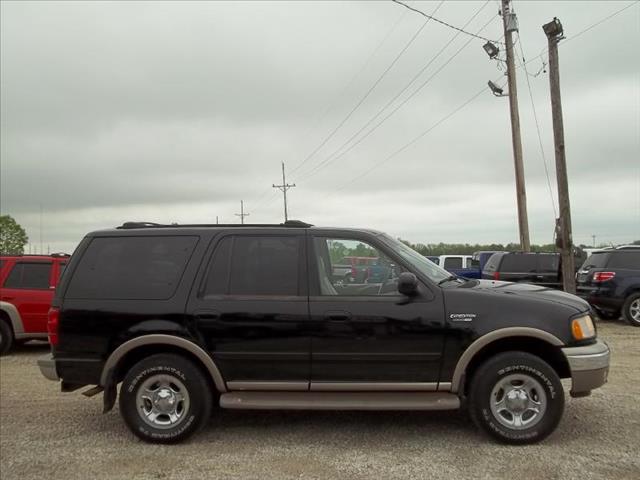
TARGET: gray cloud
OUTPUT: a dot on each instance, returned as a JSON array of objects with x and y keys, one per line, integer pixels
[{"x": 175, "y": 111}]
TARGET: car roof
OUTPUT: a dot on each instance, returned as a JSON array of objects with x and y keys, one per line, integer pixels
[{"x": 146, "y": 228}]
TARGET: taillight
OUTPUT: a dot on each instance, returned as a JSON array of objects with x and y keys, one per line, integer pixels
[
  {"x": 496, "y": 275},
  {"x": 53, "y": 322},
  {"x": 603, "y": 276}
]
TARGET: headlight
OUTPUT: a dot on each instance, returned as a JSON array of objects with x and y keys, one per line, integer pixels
[{"x": 582, "y": 328}]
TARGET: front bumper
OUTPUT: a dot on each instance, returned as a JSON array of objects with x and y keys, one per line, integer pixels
[
  {"x": 589, "y": 366},
  {"x": 48, "y": 367}
]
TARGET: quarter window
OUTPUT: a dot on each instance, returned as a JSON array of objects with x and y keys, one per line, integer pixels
[
  {"x": 29, "y": 276},
  {"x": 132, "y": 268}
]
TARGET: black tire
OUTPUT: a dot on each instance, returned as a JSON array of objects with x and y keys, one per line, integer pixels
[
  {"x": 6, "y": 337},
  {"x": 173, "y": 375},
  {"x": 608, "y": 315},
  {"x": 519, "y": 366},
  {"x": 631, "y": 309}
]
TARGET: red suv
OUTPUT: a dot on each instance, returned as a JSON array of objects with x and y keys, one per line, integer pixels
[{"x": 27, "y": 283}]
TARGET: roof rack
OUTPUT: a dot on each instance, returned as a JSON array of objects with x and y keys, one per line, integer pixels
[{"x": 288, "y": 223}]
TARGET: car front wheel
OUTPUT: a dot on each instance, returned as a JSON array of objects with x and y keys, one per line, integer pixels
[
  {"x": 516, "y": 397},
  {"x": 631, "y": 310},
  {"x": 165, "y": 399}
]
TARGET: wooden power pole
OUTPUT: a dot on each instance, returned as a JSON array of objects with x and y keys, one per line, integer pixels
[
  {"x": 241, "y": 214},
  {"x": 283, "y": 188},
  {"x": 553, "y": 31},
  {"x": 510, "y": 25}
]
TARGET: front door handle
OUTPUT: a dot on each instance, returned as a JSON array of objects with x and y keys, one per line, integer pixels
[{"x": 337, "y": 316}]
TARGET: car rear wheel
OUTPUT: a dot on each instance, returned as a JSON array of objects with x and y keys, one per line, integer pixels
[
  {"x": 165, "y": 399},
  {"x": 6, "y": 337},
  {"x": 516, "y": 397},
  {"x": 631, "y": 310}
]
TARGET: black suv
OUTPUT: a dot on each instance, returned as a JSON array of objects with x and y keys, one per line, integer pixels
[
  {"x": 251, "y": 317},
  {"x": 538, "y": 268},
  {"x": 610, "y": 281}
]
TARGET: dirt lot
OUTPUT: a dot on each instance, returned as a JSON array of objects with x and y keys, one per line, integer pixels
[{"x": 46, "y": 434}]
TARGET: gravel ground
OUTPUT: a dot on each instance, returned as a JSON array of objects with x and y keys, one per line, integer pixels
[{"x": 47, "y": 434}]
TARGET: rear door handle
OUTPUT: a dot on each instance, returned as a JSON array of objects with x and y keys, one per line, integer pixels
[{"x": 337, "y": 316}]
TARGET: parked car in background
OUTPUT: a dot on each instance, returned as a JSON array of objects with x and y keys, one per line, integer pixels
[
  {"x": 537, "y": 268},
  {"x": 27, "y": 283},
  {"x": 434, "y": 258},
  {"x": 353, "y": 269},
  {"x": 460, "y": 265},
  {"x": 609, "y": 280}
]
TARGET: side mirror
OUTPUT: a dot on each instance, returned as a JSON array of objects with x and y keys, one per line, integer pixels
[{"x": 407, "y": 284}]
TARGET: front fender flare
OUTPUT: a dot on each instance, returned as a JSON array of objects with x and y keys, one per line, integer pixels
[{"x": 484, "y": 340}]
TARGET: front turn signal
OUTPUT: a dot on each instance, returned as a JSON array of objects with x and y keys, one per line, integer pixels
[{"x": 582, "y": 328}]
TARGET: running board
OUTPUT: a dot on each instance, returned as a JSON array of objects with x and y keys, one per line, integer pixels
[{"x": 340, "y": 401}]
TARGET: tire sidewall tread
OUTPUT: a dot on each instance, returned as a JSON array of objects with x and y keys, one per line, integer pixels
[
  {"x": 500, "y": 366},
  {"x": 626, "y": 309},
  {"x": 200, "y": 397}
]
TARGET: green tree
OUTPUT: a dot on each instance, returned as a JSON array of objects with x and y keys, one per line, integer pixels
[{"x": 13, "y": 238}]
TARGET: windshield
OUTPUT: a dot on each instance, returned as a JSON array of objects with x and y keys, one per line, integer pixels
[{"x": 420, "y": 263}]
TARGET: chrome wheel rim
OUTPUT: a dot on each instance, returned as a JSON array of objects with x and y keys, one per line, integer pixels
[
  {"x": 634, "y": 310},
  {"x": 518, "y": 401},
  {"x": 162, "y": 401}
]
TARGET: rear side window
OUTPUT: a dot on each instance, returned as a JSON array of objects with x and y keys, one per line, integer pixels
[
  {"x": 29, "y": 276},
  {"x": 254, "y": 265},
  {"x": 264, "y": 266},
  {"x": 548, "y": 263},
  {"x": 452, "y": 262},
  {"x": 595, "y": 260},
  {"x": 519, "y": 263},
  {"x": 492, "y": 262},
  {"x": 131, "y": 268},
  {"x": 624, "y": 260}
]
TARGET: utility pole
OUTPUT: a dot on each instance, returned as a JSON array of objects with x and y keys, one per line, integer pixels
[
  {"x": 510, "y": 24},
  {"x": 241, "y": 214},
  {"x": 594, "y": 240},
  {"x": 553, "y": 31},
  {"x": 283, "y": 188}
]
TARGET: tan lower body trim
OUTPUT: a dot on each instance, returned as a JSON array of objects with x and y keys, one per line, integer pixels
[
  {"x": 269, "y": 386},
  {"x": 373, "y": 387}
]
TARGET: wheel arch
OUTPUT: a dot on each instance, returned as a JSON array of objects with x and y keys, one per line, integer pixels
[
  {"x": 137, "y": 348},
  {"x": 12, "y": 315},
  {"x": 537, "y": 342}
]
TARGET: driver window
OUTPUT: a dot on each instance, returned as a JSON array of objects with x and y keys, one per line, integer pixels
[{"x": 354, "y": 268}]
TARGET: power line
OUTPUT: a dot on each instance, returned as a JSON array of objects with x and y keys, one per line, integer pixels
[
  {"x": 362, "y": 69},
  {"x": 366, "y": 95},
  {"x": 535, "y": 117},
  {"x": 342, "y": 91},
  {"x": 414, "y": 140},
  {"x": 461, "y": 30},
  {"x": 329, "y": 160},
  {"x": 585, "y": 30}
]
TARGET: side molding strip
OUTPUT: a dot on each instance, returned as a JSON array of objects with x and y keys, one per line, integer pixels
[
  {"x": 485, "y": 340},
  {"x": 340, "y": 401},
  {"x": 161, "y": 339}
]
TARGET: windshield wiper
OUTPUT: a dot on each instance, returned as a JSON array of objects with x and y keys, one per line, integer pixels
[{"x": 448, "y": 279}]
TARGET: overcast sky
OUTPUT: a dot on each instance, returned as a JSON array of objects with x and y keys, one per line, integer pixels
[{"x": 174, "y": 112}]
